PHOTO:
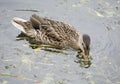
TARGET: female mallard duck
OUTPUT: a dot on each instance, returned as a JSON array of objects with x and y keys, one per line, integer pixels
[{"x": 54, "y": 33}]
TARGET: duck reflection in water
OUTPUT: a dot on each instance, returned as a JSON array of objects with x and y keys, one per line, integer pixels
[{"x": 54, "y": 33}]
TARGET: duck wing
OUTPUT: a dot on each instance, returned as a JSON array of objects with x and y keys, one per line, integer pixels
[
  {"x": 42, "y": 25},
  {"x": 56, "y": 29}
]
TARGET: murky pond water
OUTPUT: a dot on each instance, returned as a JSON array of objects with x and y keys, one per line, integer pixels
[{"x": 20, "y": 64}]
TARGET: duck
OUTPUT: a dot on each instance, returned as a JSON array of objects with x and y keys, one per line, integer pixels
[{"x": 54, "y": 33}]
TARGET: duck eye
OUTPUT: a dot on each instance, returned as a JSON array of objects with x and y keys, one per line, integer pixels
[{"x": 82, "y": 44}]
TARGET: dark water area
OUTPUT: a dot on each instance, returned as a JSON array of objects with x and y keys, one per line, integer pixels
[{"x": 20, "y": 64}]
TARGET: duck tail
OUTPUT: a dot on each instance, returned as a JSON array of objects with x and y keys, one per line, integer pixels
[{"x": 19, "y": 23}]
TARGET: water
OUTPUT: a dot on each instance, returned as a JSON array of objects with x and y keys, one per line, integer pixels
[{"x": 21, "y": 64}]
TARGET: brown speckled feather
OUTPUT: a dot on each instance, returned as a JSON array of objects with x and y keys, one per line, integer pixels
[
  {"x": 50, "y": 32},
  {"x": 54, "y": 32}
]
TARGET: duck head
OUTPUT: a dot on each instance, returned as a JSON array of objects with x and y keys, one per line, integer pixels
[{"x": 85, "y": 47}]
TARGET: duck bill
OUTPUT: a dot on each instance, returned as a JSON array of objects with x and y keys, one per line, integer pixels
[{"x": 85, "y": 56}]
